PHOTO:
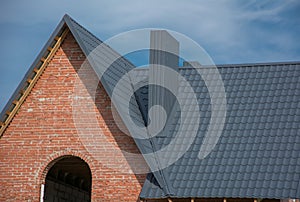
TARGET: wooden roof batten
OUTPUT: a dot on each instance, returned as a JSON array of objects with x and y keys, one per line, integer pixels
[{"x": 31, "y": 80}]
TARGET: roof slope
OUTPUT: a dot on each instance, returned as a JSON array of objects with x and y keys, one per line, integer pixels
[{"x": 258, "y": 154}]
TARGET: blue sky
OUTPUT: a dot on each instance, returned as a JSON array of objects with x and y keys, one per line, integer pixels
[{"x": 231, "y": 31}]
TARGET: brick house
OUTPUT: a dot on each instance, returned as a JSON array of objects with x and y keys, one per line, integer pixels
[{"x": 44, "y": 156}]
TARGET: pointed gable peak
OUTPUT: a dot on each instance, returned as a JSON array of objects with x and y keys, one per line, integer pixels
[{"x": 87, "y": 42}]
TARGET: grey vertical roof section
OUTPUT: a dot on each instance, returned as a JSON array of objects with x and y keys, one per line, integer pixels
[
  {"x": 258, "y": 154},
  {"x": 163, "y": 86},
  {"x": 164, "y": 55}
]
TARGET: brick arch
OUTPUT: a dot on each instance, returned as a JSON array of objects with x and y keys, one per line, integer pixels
[{"x": 55, "y": 157}]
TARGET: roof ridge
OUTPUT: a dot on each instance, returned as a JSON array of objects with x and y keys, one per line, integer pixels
[
  {"x": 241, "y": 65},
  {"x": 67, "y": 18},
  {"x": 261, "y": 63},
  {"x": 70, "y": 22}
]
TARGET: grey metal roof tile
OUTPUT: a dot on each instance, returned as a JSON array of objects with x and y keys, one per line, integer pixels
[{"x": 247, "y": 157}]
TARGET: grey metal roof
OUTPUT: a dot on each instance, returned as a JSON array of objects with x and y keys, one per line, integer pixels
[{"x": 258, "y": 153}]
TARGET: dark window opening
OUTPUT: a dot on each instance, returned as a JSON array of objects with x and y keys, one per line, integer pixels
[{"x": 69, "y": 179}]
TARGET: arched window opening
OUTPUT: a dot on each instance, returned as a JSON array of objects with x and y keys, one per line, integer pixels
[{"x": 69, "y": 179}]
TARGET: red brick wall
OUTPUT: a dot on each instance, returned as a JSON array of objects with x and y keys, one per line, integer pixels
[{"x": 44, "y": 130}]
